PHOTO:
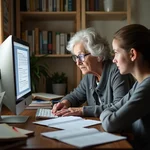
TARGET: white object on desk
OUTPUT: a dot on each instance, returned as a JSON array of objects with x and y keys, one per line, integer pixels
[
  {"x": 83, "y": 137},
  {"x": 69, "y": 122},
  {"x": 44, "y": 113}
]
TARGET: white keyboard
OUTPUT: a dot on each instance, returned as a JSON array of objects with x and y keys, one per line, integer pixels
[{"x": 44, "y": 113}]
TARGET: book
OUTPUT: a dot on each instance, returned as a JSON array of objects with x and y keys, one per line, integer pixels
[
  {"x": 14, "y": 135},
  {"x": 8, "y": 133},
  {"x": 83, "y": 137},
  {"x": 46, "y": 96}
]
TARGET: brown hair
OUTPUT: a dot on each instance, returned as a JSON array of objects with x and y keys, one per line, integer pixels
[{"x": 135, "y": 36}]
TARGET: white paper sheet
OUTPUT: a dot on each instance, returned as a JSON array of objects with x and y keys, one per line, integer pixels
[
  {"x": 83, "y": 137},
  {"x": 70, "y": 122}
]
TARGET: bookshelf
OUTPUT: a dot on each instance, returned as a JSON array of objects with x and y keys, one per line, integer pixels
[
  {"x": 68, "y": 21},
  {"x": 53, "y": 21},
  {"x": 5, "y": 19}
]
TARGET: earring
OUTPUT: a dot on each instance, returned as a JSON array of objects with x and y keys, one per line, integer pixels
[{"x": 98, "y": 59}]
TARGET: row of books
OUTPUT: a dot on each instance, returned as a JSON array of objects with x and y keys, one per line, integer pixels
[
  {"x": 47, "y": 42},
  {"x": 48, "y": 5},
  {"x": 94, "y": 5}
]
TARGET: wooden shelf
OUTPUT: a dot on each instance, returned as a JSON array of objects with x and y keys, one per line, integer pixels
[
  {"x": 96, "y": 15},
  {"x": 38, "y": 16},
  {"x": 87, "y": 16}
]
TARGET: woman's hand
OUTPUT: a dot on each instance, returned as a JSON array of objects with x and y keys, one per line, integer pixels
[
  {"x": 72, "y": 111},
  {"x": 59, "y": 106}
]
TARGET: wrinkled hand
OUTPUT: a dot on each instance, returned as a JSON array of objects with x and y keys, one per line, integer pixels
[
  {"x": 58, "y": 107},
  {"x": 72, "y": 111}
]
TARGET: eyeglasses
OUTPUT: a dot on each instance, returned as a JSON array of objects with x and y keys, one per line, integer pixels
[{"x": 80, "y": 57}]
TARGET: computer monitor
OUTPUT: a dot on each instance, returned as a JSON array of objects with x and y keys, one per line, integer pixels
[{"x": 15, "y": 78}]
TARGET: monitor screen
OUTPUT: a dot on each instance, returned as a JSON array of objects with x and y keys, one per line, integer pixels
[
  {"x": 15, "y": 76},
  {"x": 22, "y": 70}
]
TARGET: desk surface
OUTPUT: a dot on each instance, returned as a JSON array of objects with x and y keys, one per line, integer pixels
[{"x": 39, "y": 142}]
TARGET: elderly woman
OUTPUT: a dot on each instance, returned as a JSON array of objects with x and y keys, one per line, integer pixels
[{"x": 102, "y": 84}]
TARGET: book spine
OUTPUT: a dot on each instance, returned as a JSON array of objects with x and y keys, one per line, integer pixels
[
  {"x": 50, "y": 42},
  {"x": 50, "y": 5},
  {"x": 91, "y": 5},
  {"x": 23, "y": 6},
  {"x": 62, "y": 43},
  {"x": 96, "y": 5},
  {"x": 40, "y": 5},
  {"x": 43, "y": 5},
  {"x": 36, "y": 41},
  {"x": 30, "y": 41},
  {"x": 45, "y": 42},
  {"x": 57, "y": 43},
  {"x": 54, "y": 5},
  {"x": 58, "y": 5},
  {"x": 70, "y": 5},
  {"x": 32, "y": 5},
  {"x": 28, "y": 5},
  {"x": 33, "y": 42},
  {"x": 61, "y": 5},
  {"x": 41, "y": 39},
  {"x": 37, "y": 5},
  {"x": 53, "y": 42}
]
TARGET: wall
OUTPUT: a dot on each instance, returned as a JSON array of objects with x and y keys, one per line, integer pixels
[{"x": 140, "y": 10}]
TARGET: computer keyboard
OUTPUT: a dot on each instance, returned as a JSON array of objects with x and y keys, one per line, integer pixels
[{"x": 44, "y": 113}]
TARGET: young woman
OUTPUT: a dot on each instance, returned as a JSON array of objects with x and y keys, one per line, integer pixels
[
  {"x": 131, "y": 45},
  {"x": 102, "y": 84}
]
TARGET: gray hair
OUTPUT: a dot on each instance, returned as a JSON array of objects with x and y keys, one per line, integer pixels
[{"x": 93, "y": 43}]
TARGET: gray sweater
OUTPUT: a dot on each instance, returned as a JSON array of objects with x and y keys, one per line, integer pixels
[
  {"x": 111, "y": 88},
  {"x": 131, "y": 112}
]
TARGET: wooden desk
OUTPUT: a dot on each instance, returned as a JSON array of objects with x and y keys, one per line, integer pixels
[{"x": 39, "y": 142}]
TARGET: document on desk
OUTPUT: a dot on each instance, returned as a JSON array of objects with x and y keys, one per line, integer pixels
[
  {"x": 83, "y": 137},
  {"x": 69, "y": 122}
]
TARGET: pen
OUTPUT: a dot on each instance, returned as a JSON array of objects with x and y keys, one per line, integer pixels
[{"x": 15, "y": 129}]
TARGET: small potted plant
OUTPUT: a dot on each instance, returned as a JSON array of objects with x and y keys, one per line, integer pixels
[
  {"x": 37, "y": 70},
  {"x": 59, "y": 83}
]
